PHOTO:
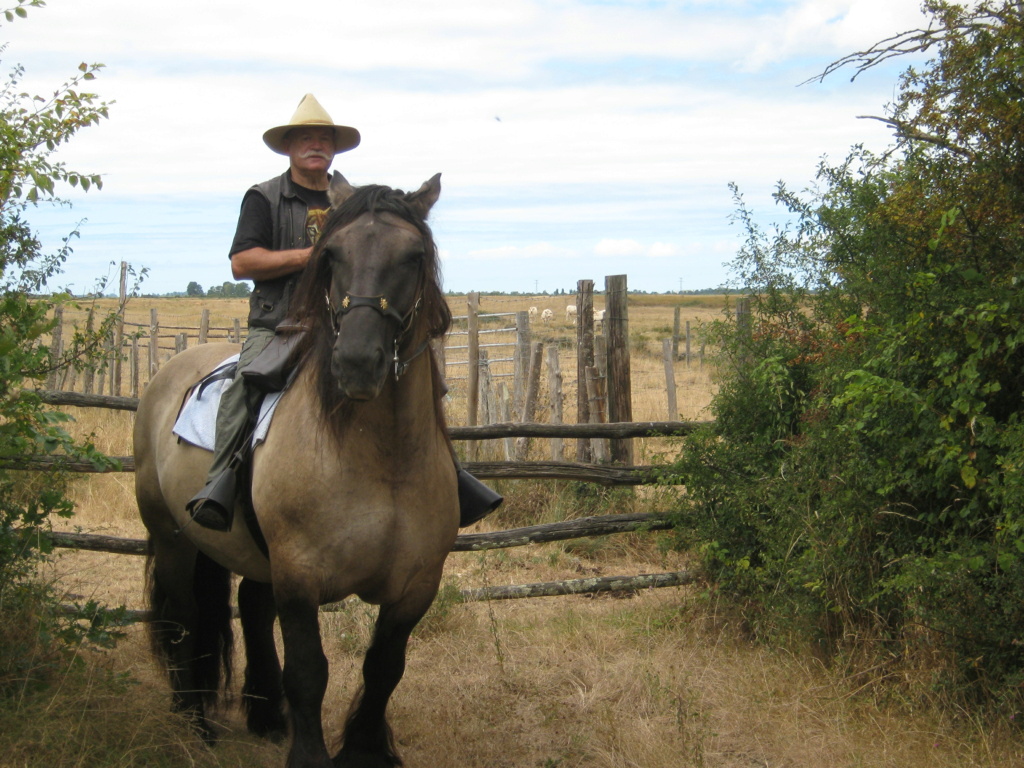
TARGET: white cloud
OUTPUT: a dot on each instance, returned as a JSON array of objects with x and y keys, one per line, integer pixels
[
  {"x": 662, "y": 251},
  {"x": 617, "y": 123},
  {"x": 518, "y": 253},
  {"x": 618, "y": 248}
]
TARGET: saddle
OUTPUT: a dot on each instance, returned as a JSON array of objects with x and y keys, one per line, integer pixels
[{"x": 274, "y": 367}]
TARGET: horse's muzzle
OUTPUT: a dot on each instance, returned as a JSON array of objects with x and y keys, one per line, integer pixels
[{"x": 360, "y": 372}]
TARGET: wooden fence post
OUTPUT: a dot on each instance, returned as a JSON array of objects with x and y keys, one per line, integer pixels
[
  {"x": 505, "y": 414},
  {"x": 106, "y": 366},
  {"x": 687, "y": 343},
  {"x": 521, "y": 364},
  {"x": 122, "y": 301},
  {"x": 619, "y": 387},
  {"x": 555, "y": 395},
  {"x": 135, "y": 366},
  {"x": 473, "y": 373},
  {"x": 584, "y": 359},
  {"x": 675, "y": 332},
  {"x": 596, "y": 392},
  {"x": 53, "y": 381},
  {"x": 204, "y": 326},
  {"x": 486, "y": 380},
  {"x": 670, "y": 378},
  {"x": 530, "y": 399},
  {"x": 88, "y": 372},
  {"x": 154, "y": 343},
  {"x": 601, "y": 355}
]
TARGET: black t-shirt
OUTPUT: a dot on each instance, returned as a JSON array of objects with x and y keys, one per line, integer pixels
[{"x": 255, "y": 221}]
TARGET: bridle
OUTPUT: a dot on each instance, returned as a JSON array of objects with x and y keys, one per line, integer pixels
[{"x": 382, "y": 306}]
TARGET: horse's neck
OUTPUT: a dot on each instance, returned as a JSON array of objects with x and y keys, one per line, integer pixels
[{"x": 405, "y": 410}]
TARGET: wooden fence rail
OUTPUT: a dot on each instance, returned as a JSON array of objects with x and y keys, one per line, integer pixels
[
  {"x": 481, "y": 432},
  {"x": 600, "y": 525},
  {"x": 603, "y": 474},
  {"x": 588, "y": 586}
]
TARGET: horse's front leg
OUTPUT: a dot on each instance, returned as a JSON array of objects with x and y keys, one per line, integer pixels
[
  {"x": 304, "y": 678},
  {"x": 368, "y": 741}
]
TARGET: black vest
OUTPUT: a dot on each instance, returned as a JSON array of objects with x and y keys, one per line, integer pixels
[{"x": 268, "y": 302}]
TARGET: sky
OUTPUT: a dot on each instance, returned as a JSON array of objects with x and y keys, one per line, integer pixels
[{"x": 575, "y": 139}]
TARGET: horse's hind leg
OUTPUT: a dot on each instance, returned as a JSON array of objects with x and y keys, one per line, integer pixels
[
  {"x": 368, "y": 742},
  {"x": 262, "y": 692},
  {"x": 190, "y": 627}
]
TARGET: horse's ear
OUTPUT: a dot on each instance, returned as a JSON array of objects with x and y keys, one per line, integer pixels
[
  {"x": 339, "y": 191},
  {"x": 423, "y": 199}
]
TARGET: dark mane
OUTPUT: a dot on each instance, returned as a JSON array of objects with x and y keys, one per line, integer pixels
[{"x": 308, "y": 304}]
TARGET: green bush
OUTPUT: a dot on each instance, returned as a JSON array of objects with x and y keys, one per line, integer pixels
[
  {"x": 862, "y": 480},
  {"x": 38, "y": 636}
]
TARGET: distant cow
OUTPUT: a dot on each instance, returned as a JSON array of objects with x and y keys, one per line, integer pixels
[
  {"x": 546, "y": 315},
  {"x": 570, "y": 313},
  {"x": 598, "y": 318},
  {"x": 533, "y": 312}
]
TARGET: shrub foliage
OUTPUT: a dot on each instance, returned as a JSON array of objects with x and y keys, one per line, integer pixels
[
  {"x": 32, "y": 128},
  {"x": 863, "y": 477}
]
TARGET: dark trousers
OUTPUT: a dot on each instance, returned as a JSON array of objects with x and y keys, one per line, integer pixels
[{"x": 234, "y": 420}]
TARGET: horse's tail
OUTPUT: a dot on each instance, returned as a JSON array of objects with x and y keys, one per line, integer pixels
[{"x": 190, "y": 626}]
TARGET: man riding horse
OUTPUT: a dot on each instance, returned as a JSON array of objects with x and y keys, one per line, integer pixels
[{"x": 278, "y": 225}]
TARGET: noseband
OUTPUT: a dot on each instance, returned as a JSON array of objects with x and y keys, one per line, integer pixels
[{"x": 382, "y": 306}]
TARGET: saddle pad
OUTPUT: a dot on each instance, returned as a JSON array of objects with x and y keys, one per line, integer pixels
[{"x": 197, "y": 422}]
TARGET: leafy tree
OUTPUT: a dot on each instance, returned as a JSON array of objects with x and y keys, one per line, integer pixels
[
  {"x": 229, "y": 290},
  {"x": 194, "y": 289},
  {"x": 863, "y": 478},
  {"x": 31, "y": 130}
]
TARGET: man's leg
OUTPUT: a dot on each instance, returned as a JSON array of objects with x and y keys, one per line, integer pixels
[{"x": 212, "y": 507}]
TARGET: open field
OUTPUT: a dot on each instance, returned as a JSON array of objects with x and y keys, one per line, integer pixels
[
  {"x": 656, "y": 679},
  {"x": 650, "y": 321}
]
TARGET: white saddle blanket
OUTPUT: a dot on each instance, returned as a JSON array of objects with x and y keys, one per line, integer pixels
[{"x": 197, "y": 422}]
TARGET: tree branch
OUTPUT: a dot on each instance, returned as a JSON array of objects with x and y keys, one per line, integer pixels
[{"x": 905, "y": 131}]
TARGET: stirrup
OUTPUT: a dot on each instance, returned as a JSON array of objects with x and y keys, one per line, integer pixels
[
  {"x": 476, "y": 500},
  {"x": 214, "y": 506}
]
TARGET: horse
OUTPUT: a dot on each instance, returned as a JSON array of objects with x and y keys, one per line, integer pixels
[{"x": 353, "y": 489}]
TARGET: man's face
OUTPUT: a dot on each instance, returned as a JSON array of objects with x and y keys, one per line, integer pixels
[{"x": 311, "y": 150}]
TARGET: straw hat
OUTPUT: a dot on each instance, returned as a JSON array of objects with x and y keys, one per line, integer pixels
[{"x": 310, "y": 113}]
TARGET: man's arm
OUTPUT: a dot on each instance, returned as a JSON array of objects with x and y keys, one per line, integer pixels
[
  {"x": 263, "y": 264},
  {"x": 251, "y": 257}
]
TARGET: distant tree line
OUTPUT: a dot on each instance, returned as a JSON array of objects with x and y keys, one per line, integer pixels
[{"x": 225, "y": 290}]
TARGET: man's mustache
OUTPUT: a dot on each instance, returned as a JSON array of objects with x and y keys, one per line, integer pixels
[{"x": 316, "y": 153}]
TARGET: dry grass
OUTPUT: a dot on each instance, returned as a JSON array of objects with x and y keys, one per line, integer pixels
[
  {"x": 658, "y": 679},
  {"x": 650, "y": 680}
]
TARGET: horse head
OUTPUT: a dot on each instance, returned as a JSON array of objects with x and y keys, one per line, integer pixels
[{"x": 375, "y": 275}]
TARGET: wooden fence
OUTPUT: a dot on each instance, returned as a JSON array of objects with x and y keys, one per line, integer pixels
[
  {"x": 571, "y": 529},
  {"x": 501, "y": 365},
  {"x": 491, "y": 358}
]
